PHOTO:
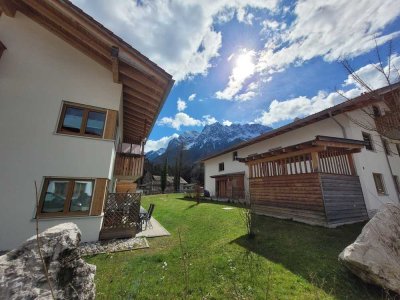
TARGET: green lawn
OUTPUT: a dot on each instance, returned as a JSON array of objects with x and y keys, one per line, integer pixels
[{"x": 215, "y": 260}]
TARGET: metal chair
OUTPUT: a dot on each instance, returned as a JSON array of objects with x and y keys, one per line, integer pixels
[{"x": 145, "y": 218}]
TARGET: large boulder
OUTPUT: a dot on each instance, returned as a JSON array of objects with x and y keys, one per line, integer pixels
[
  {"x": 375, "y": 254},
  {"x": 22, "y": 273}
]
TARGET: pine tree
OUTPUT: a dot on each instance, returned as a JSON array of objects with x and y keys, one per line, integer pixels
[{"x": 164, "y": 174}]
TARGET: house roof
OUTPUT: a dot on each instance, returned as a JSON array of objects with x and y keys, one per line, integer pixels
[
  {"x": 170, "y": 179},
  {"x": 319, "y": 144},
  {"x": 145, "y": 85},
  {"x": 349, "y": 105}
]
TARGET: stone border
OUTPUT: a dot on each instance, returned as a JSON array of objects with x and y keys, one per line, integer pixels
[{"x": 111, "y": 246}]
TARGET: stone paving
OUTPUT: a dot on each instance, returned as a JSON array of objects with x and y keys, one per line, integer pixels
[{"x": 110, "y": 246}]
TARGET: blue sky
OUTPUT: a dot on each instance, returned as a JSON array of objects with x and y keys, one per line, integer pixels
[{"x": 262, "y": 61}]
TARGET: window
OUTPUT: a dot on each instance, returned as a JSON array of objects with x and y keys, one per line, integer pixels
[
  {"x": 235, "y": 155},
  {"x": 398, "y": 149},
  {"x": 397, "y": 183},
  {"x": 66, "y": 196},
  {"x": 379, "y": 184},
  {"x": 82, "y": 120},
  {"x": 386, "y": 147},
  {"x": 221, "y": 167},
  {"x": 368, "y": 141},
  {"x": 376, "y": 111}
]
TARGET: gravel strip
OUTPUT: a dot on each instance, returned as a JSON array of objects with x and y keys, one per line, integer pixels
[{"x": 113, "y": 246}]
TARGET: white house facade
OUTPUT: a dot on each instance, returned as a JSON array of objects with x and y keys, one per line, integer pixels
[
  {"x": 65, "y": 112},
  {"x": 377, "y": 165}
]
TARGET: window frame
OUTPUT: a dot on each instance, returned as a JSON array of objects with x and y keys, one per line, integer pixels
[
  {"x": 68, "y": 200},
  {"x": 382, "y": 181},
  {"x": 222, "y": 164},
  {"x": 235, "y": 155},
  {"x": 85, "y": 116},
  {"x": 370, "y": 139}
]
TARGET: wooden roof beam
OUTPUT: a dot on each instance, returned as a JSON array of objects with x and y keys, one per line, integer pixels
[
  {"x": 138, "y": 95},
  {"x": 132, "y": 100},
  {"x": 8, "y": 7},
  {"x": 133, "y": 84},
  {"x": 137, "y": 111}
]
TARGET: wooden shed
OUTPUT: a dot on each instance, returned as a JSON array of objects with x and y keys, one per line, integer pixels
[{"x": 314, "y": 182}]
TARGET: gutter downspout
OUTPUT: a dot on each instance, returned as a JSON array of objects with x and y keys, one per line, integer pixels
[{"x": 340, "y": 125}]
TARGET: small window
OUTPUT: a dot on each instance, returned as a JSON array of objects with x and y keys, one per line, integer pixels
[
  {"x": 376, "y": 111},
  {"x": 66, "y": 196},
  {"x": 386, "y": 147},
  {"x": 81, "y": 120},
  {"x": 221, "y": 167},
  {"x": 235, "y": 155},
  {"x": 368, "y": 141},
  {"x": 379, "y": 184},
  {"x": 398, "y": 149},
  {"x": 397, "y": 183}
]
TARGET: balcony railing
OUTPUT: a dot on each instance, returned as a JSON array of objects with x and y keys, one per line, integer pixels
[
  {"x": 128, "y": 166},
  {"x": 388, "y": 125}
]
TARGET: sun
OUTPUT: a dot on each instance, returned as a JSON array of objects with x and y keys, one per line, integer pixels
[{"x": 244, "y": 64}]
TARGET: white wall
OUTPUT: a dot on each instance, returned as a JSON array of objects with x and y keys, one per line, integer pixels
[
  {"x": 37, "y": 72},
  {"x": 366, "y": 162}
]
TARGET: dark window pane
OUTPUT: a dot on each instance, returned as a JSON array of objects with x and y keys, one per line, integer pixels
[
  {"x": 380, "y": 187},
  {"x": 221, "y": 167},
  {"x": 55, "y": 196},
  {"x": 368, "y": 141},
  {"x": 72, "y": 119},
  {"x": 82, "y": 196},
  {"x": 95, "y": 123}
]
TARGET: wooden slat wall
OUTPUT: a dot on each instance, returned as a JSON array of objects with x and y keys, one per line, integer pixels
[
  {"x": 343, "y": 198},
  {"x": 128, "y": 166},
  {"x": 297, "y": 197}
]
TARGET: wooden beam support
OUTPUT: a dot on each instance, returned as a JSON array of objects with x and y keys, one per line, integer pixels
[
  {"x": 315, "y": 162},
  {"x": 8, "y": 7},
  {"x": 115, "y": 63},
  {"x": 138, "y": 95},
  {"x": 133, "y": 84}
]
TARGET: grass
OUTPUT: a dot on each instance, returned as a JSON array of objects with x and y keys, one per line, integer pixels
[{"x": 215, "y": 259}]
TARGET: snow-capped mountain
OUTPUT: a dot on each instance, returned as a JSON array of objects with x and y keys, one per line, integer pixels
[{"x": 211, "y": 139}]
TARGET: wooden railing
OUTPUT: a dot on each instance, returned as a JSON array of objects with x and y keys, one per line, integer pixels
[
  {"x": 388, "y": 125},
  {"x": 128, "y": 166}
]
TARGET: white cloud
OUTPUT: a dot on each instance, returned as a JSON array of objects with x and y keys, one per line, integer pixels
[
  {"x": 183, "y": 119},
  {"x": 227, "y": 123},
  {"x": 330, "y": 29},
  {"x": 192, "y": 97},
  {"x": 208, "y": 120},
  {"x": 243, "y": 16},
  {"x": 181, "y": 105},
  {"x": 301, "y": 106},
  {"x": 180, "y": 119},
  {"x": 245, "y": 96},
  {"x": 152, "y": 145},
  {"x": 178, "y": 35},
  {"x": 244, "y": 68}
]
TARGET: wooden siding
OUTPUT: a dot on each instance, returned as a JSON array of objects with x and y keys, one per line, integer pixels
[
  {"x": 297, "y": 197},
  {"x": 128, "y": 166},
  {"x": 99, "y": 196},
  {"x": 230, "y": 186},
  {"x": 343, "y": 199}
]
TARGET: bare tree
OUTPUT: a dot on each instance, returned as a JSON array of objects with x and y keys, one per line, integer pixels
[{"x": 383, "y": 120}]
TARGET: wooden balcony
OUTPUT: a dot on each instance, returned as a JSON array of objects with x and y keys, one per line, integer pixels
[
  {"x": 388, "y": 125},
  {"x": 128, "y": 166}
]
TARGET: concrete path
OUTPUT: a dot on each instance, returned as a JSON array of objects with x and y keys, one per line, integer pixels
[{"x": 154, "y": 229}]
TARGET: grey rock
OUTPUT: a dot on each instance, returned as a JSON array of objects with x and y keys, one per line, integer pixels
[
  {"x": 22, "y": 274},
  {"x": 375, "y": 254}
]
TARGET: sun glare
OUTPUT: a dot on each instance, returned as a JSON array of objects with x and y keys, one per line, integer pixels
[{"x": 244, "y": 64}]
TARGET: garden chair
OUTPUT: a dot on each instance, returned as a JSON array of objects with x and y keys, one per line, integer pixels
[{"x": 145, "y": 218}]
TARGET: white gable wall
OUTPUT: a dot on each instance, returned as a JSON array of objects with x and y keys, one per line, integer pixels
[{"x": 37, "y": 72}]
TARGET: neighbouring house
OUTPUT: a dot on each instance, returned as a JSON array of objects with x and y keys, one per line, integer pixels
[
  {"x": 151, "y": 184},
  {"x": 326, "y": 169},
  {"x": 77, "y": 104}
]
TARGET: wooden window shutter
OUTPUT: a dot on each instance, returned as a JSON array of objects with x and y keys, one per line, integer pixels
[
  {"x": 111, "y": 125},
  {"x": 99, "y": 196}
]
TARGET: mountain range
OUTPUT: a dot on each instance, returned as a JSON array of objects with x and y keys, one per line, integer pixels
[{"x": 197, "y": 145}]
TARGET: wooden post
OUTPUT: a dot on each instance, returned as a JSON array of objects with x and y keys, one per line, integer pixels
[
  {"x": 315, "y": 162},
  {"x": 351, "y": 164}
]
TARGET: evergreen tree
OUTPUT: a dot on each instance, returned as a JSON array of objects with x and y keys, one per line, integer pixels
[{"x": 164, "y": 174}]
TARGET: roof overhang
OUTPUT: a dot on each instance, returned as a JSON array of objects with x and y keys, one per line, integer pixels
[
  {"x": 228, "y": 175},
  {"x": 319, "y": 144},
  {"x": 145, "y": 85}
]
